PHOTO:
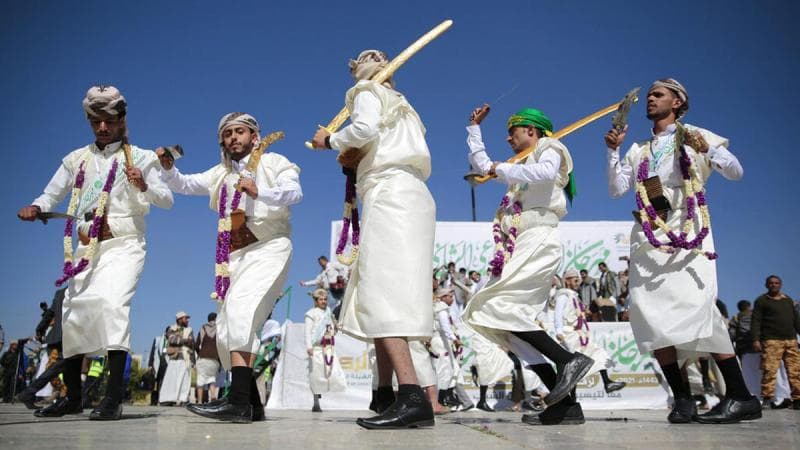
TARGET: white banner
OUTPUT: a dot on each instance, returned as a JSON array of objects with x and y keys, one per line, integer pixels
[
  {"x": 470, "y": 244},
  {"x": 290, "y": 389}
]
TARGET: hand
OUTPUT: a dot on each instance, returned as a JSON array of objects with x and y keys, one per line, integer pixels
[
  {"x": 757, "y": 346},
  {"x": 614, "y": 138},
  {"x": 135, "y": 178},
  {"x": 319, "y": 138},
  {"x": 29, "y": 213},
  {"x": 696, "y": 140},
  {"x": 310, "y": 352},
  {"x": 478, "y": 114},
  {"x": 165, "y": 158},
  {"x": 248, "y": 186},
  {"x": 560, "y": 337},
  {"x": 350, "y": 158},
  {"x": 493, "y": 169}
]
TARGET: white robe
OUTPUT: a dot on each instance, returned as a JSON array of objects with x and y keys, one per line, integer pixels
[
  {"x": 446, "y": 364},
  {"x": 672, "y": 296},
  {"x": 321, "y": 377},
  {"x": 511, "y": 302},
  {"x": 388, "y": 294},
  {"x": 97, "y": 302},
  {"x": 258, "y": 271}
]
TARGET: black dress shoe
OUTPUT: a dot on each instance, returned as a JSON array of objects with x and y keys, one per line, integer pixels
[
  {"x": 59, "y": 408},
  {"x": 568, "y": 377},
  {"x": 795, "y": 404},
  {"x": 615, "y": 386},
  {"x": 485, "y": 407},
  {"x": 27, "y": 398},
  {"x": 409, "y": 411},
  {"x": 684, "y": 410},
  {"x": 562, "y": 413},
  {"x": 786, "y": 403},
  {"x": 224, "y": 411},
  {"x": 108, "y": 409},
  {"x": 732, "y": 411},
  {"x": 258, "y": 414},
  {"x": 316, "y": 408}
]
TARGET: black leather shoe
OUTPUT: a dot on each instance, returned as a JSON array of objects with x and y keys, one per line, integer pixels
[
  {"x": 224, "y": 411},
  {"x": 786, "y": 403},
  {"x": 485, "y": 407},
  {"x": 316, "y": 408},
  {"x": 684, "y": 410},
  {"x": 615, "y": 386},
  {"x": 27, "y": 398},
  {"x": 59, "y": 408},
  {"x": 411, "y": 411},
  {"x": 384, "y": 399},
  {"x": 108, "y": 409},
  {"x": 258, "y": 414},
  {"x": 732, "y": 411},
  {"x": 795, "y": 404},
  {"x": 568, "y": 377},
  {"x": 563, "y": 413}
]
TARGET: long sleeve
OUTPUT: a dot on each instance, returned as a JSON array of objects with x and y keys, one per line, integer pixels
[
  {"x": 724, "y": 162},
  {"x": 478, "y": 158},
  {"x": 755, "y": 325},
  {"x": 364, "y": 123},
  {"x": 444, "y": 323},
  {"x": 545, "y": 170},
  {"x": 318, "y": 281},
  {"x": 157, "y": 191},
  {"x": 558, "y": 321},
  {"x": 287, "y": 192},
  {"x": 55, "y": 191},
  {"x": 308, "y": 331},
  {"x": 620, "y": 174},
  {"x": 194, "y": 184}
]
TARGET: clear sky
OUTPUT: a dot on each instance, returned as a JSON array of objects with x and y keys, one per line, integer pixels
[{"x": 182, "y": 65}]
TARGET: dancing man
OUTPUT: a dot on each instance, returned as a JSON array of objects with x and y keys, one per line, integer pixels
[{"x": 673, "y": 275}]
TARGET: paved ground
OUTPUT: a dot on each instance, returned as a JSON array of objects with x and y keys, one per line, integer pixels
[{"x": 162, "y": 427}]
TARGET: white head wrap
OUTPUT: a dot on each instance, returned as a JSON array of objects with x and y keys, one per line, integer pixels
[
  {"x": 230, "y": 120},
  {"x": 674, "y": 86},
  {"x": 369, "y": 63},
  {"x": 104, "y": 101},
  {"x": 572, "y": 273}
]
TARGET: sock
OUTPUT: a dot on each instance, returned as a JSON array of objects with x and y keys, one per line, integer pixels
[
  {"x": 72, "y": 378},
  {"x": 546, "y": 374},
  {"x": 704, "y": 372},
  {"x": 240, "y": 385},
  {"x": 483, "y": 393},
  {"x": 675, "y": 379},
  {"x": 384, "y": 395},
  {"x": 735, "y": 387},
  {"x": 115, "y": 388},
  {"x": 411, "y": 392},
  {"x": 255, "y": 396},
  {"x": 604, "y": 375},
  {"x": 316, "y": 400},
  {"x": 546, "y": 345}
]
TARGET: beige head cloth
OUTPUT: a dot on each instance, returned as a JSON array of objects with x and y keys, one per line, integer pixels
[
  {"x": 369, "y": 63},
  {"x": 104, "y": 102},
  {"x": 233, "y": 119},
  {"x": 316, "y": 294},
  {"x": 674, "y": 86}
]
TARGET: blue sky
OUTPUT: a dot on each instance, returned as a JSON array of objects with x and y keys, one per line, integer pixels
[{"x": 181, "y": 65}]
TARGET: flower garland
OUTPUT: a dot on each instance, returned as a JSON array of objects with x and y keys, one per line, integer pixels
[
  {"x": 328, "y": 341},
  {"x": 222, "y": 279},
  {"x": 695, "y": 197},
  {"x": 582, "y": 327},
  {"x": 504, "y": 243},
  {"x": 349, "y": 217},
  {"x": 70, "y": 269}
]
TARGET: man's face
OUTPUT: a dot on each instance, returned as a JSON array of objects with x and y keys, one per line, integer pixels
[
  {"x": 602, "y": 267},
  {"x": 238, "y": 141},
  {"x": 108, "y": 129},
  {"x": 323, "y": 262},
  {"x": 475, "y": 276},
  {"x": 322, "y": 301},
  {"x": 572, "y": 282},
  {"x": 774, "y": 286},
  {"x": 584, "y": 274},
  {"x": 522, "y": 138},
  {"x": 447, "y": 299},
  {"x": 183, "y": 321},
  {"x": 661, "y": 102}
]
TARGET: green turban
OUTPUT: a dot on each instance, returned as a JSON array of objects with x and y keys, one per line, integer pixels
[{"x": 531, "y": 117}]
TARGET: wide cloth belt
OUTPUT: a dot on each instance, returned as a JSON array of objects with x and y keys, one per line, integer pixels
[{"x": 241, "y": 236}]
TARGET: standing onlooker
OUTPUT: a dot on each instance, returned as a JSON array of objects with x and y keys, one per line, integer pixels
[
  {"x": 11, "y": 365},
  {"x": 207, "y": 360},
  {"x": 607, "y": 293},
  {"x": 180, "y": 355},
  {"x": 157, "y": 364},
  {"x": 623, "y": 299},
  {"x": 775, "y": 327},
  {"x": 588, "y": 291},
  {"x": 333, "y": 277}
]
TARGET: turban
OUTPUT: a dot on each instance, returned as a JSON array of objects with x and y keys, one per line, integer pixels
[
  {"x": 237, "y": 118},
  {"x": 674, "y": 86},
  {"x": 368, "y": 64},
  {"x": 571, "y": 273},
  {"x": 104, "y": 102},
  {"x": 531, "y": 117},
  {"x": 441, "y": 292},
  {"x": 318, "y": 293}
]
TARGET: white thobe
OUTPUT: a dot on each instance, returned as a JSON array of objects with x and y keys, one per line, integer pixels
[
  {"x": 96, "y": 309},
  {"x": 321, "y": 377},
  {"x": 672, "y": 296},
  {"x": 442, "y": 344},
  {"x": 177, "y": 382},
  {"x": 258, "y": 271},
  {"x": 388, "y": 294},
  {"x": 510, "y": 302}
]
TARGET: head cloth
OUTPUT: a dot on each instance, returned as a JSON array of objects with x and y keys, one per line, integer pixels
[
  {"x": 678, "y": 89},
  {"x": 368, "y": 64},
  {"x": 104, "y": 102},
  {"x": 531, "y": 117}
]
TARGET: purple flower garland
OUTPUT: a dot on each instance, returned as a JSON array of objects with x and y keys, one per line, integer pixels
[
  {"x": 582, "y": 323},
  {"x": 351, "y": 219},
  {"x": 504, "y": 243},
  {"x": 222, "y": 281}
]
